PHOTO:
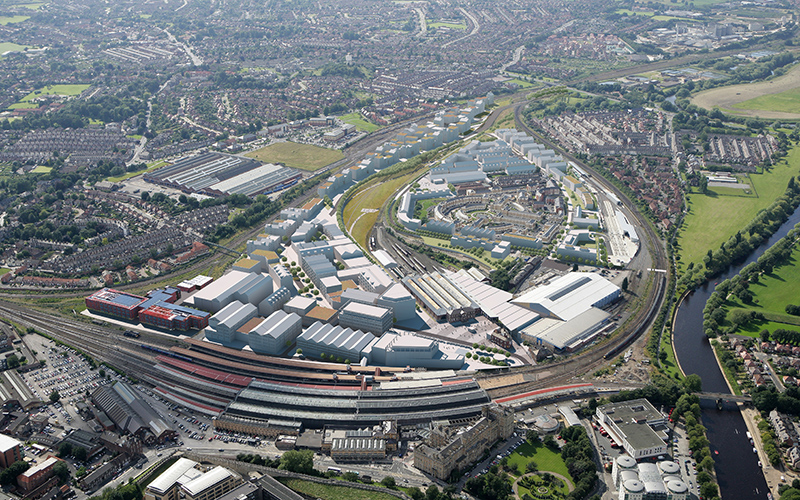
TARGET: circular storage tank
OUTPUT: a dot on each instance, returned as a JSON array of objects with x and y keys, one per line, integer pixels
[
  {"x": 677, "y": 487},
  {"x": 633, "y": 486},
  {"x": 626, "y": 462},
  {"x": 669, "y": 468}
]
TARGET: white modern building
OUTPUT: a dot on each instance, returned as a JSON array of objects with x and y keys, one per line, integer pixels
[
  {"x": 334, "y": 341},
  {"x": 636, "y": 426},
  {"x": 365, "y": 317},
  {"x": 397, "y": 299},
  {"x": 245, "y": 287},
  {"x": 223, "y": 325}
]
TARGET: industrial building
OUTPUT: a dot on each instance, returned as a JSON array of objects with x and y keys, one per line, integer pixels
[
  {"x": 394, "y": 349},
  {"x": 246, "y": 287},
  {"x": 399, "y": 301},
  {"x": 223, "y": 325},
  {"x": 365, "y": 317},
  {"x": 37, "y": 475},
  {"x": 571, "y": 308},
  {"x": 157, "y": 309},
  {"x": 131, "y": 413},
  {"x": 442, "y": 298},
  {"x": 648, "y": 481},
  {"x": 336, "y": 342},
  {"x": 271, "y": 335},
  {"x": 636, "y": 426},
  {"x": 218, "y": 174}
]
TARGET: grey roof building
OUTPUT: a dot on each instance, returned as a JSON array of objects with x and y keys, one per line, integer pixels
[{"x": 334, "y": 341}]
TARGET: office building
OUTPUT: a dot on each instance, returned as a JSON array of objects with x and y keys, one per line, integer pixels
[
  {"x": 365, "y": 317},
  {"x": 636, "y": 426}
]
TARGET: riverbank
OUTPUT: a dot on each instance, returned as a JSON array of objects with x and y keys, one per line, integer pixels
[{"x": 771, "y": 474}]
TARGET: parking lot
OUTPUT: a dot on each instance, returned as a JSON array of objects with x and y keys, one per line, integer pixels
[{"x": 67, "y": 373}]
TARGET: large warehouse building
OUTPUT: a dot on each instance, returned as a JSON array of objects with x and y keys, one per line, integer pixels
[
  {"x": 442, "y": 298},
  {"x": 219, "y": 174},
  {"x": 571, "y": 310}
]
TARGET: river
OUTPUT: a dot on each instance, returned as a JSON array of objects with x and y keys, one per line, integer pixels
[{"x": 736, "y": 463}]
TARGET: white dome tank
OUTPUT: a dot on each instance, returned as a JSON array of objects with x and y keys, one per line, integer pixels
[
  {"x": 633, "y": 486},
  {"x": 669, "y": 468},
  {"x": 626, "y": 462},
  {"x": 677, "y": 487}
]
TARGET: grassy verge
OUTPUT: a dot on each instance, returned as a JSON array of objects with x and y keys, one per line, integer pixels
[
  {"x": 485, "y": 258},
  {"x": 713, "y": 217},
  {"x": 329, "y": 492},
  {"x": 294, "y": 155},
  {"x": 730, "y": 375}
]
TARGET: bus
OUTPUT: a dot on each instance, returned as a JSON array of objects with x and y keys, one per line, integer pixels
[{"x": 335, "y": 470}]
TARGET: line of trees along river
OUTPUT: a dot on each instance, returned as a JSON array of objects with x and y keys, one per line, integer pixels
[{"x": 736, "y": 464}]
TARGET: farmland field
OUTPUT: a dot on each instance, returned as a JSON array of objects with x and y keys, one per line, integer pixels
[{"x": 294, "y": 155}]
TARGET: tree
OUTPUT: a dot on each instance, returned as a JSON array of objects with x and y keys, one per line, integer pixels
[
  {"x": 550, "y": 442},
  {"x": 389, "y": 482},
  {"x": 54, "y": 396},
  {"x": 64, "y": 449},
  {"x": 145, "y": 196},
  {"x": 301, "y": 461},
  {"x": 80, "y": 453},
  {"x": 625, "y": 284},
  {"x": 693, "y": 383},
  {"x": 62, "y": 471},
  {"x": 12, "y": 361},
  {"x": 531, "y": 466},
  {"x": 9, "y": 475}
]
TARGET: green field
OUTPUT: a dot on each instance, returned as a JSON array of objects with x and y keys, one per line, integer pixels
[
  {"x": 23, "y": 105},
  {"x": 360, "y": 123},
  {"x": 41, "y": 169},
  {"x": 4, "y": 270},
  {"x": 770, "y": 296},
  {"x": 329, "y": 492},
  {"x": 546, "y": 459},
  {"x": 30, "y": 6},
  {"x": 4, "y": 20},
  {"x": 486, "y": 258},
  {"x": 68, "y": 90},
  {"x": 788, "y": 101},
  {"x": 538, "y": 482},
  {"x": 150, "y": 167},
  {"x": 713, "y": 218},
  {"x": 294, "y": 155},
  {"x": 10, "y": 47},
  {"x": 458, "y": 26},
  {"x": 363, "y": 208},
  {"x": 521, "y": 83}
]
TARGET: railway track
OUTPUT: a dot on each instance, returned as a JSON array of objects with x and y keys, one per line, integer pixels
[{"x": 540, "y": 376}]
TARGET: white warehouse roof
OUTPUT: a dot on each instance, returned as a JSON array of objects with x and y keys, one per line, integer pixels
[{"x": 569, "y": 296}]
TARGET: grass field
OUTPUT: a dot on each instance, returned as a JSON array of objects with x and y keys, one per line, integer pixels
[
  {"x": 546, "y": 459},
  {"x": 713, "y": 218},
  {"x": 41, "y": 169},
  {"x": 747, "y": 99},
  {"x": 538, "y": 481},
  {"x": 69, "y": 90},
  {"x": 485, "y": 258},
  {"x": 521, "y": 83},
  {"x": 4, "y": 270},
  {"x": 363, "y": 208},
  {"x": 294, "y": 155},
  {"x": 788, "y": 101},
  {"x": 150, "y": 167},
  {"x": 458, "y": 26},
  {"x": 770, "y": 296},
  {"x": 329, "y": 492},
  {"x": 4, "y": 20},
  {"x": 30, "y": 6},
  {"x": 10, "y": 47},
  {"x": 23, "y": 105},
  {"x": 360, "y": 123}
]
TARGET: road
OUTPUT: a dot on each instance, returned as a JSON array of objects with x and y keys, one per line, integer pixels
[
  {"x": 475, "y": 27},
  {"x": 196, "y": 60},
  {"x": 423, "y": 24},
  {"x": 514, "y": 58}
]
